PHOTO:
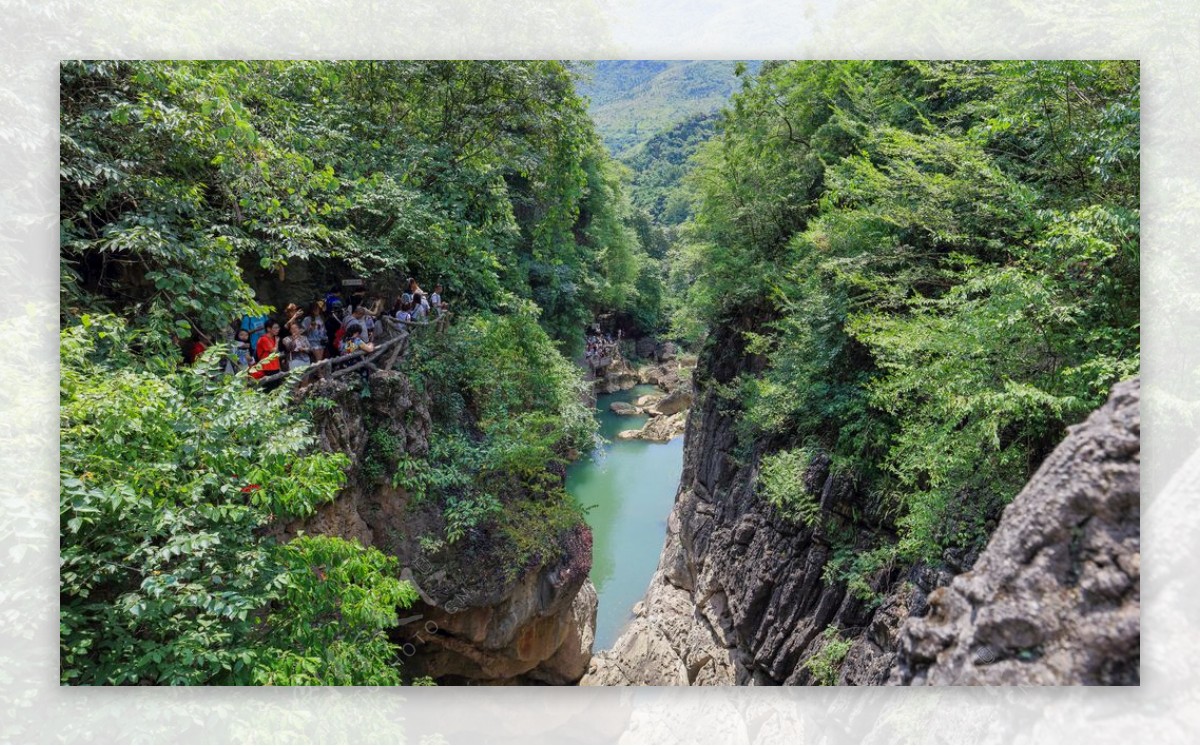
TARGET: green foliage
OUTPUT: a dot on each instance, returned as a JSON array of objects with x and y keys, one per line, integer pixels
[
  {"x": 503, "y": 367},
  {"x": 857, "y": 570},
  {"x": 826, "y": 663},
  {"x": 939, "y": 262},
  {"x": 533, "y": 528},
  {"x": 329, "y": 625},
  {"x": 168, "y": 478},
  {"x": 484, "y": 175},
  {"x": 512, "y": 411},
  {"x": 782, "y": 481}
]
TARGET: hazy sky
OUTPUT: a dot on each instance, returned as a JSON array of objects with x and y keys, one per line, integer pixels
[{"x": 694, "y": 26}]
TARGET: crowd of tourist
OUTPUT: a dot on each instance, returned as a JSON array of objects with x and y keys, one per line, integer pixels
[
  {"x": 330, "y": 327},
  {"x": 599, "y": 346}
]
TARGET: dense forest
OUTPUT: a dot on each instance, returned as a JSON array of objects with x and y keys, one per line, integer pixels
[
  {"x": 936, "y": 264},
  {"x": 185, "y": 185}
]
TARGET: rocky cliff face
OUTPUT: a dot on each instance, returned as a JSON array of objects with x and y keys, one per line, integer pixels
[
  {"x": 1055, "y": 598},
  {"x": 740, "y": 595},
  {"x": 477, "y": 621}
]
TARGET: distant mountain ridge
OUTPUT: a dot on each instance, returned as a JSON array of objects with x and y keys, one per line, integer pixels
[{"x": 633, "y": 100}]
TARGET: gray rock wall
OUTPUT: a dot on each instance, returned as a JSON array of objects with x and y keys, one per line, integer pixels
[{"x": 1055, "y": 598}]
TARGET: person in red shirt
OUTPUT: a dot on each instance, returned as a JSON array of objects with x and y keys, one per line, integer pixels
[
  {"x": 266, "y": 346},
  {"x": 193, "y": 348}
]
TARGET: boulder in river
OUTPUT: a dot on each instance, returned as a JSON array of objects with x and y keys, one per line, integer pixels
[
  {"x": 623, "y": 408},
  {"x": 668, "y": 376},
  {"x": 674, "y": 402},
  {"x": 664, "y": 428},
  {"x": 649, "y": 399},
  {"x": 658, "y": 429}
]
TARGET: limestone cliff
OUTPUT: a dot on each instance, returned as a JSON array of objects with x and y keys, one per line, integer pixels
[
  {"x": 1055, "y": 597},
  {"x": 741, "y": 594},
  {"x": 480, "y": 620}
]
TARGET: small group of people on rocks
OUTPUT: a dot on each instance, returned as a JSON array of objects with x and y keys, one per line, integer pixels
[
  {"x": 599, "y": 346},
  {"x": 328, "y": 328}
]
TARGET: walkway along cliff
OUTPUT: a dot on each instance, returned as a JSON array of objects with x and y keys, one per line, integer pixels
[{"x": 741, "y": 594}]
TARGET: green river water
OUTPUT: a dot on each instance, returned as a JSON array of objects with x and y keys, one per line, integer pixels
[{"x": 631, "y": 484}]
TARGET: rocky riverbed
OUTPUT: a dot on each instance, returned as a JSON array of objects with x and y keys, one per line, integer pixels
[{"x": 666, "y": 409}]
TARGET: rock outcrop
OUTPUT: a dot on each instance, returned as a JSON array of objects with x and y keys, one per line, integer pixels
[
  {"x": 476, "y": 622},
  {"x": 623, "y": 408},
  {"x": 741, "y": 594},
  {"x": 1055, "y": 597},
  {"x": 538, "y": 629},
  {"x": 648, "y": 399},
  {"x": 673, "y": 403},
  {"x": 668, "y": 376},
  {"x": 649, "y": 348},
  {"x": 613, "y": 375},
  {"x": 659, "y": 429}
]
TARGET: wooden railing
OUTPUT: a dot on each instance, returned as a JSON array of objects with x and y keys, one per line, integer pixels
[{"x": 391, "y": 348}]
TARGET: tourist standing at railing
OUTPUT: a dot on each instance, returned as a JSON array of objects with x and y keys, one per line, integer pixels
[
  {"x": 333, "y": 328},
  {"x": 354, "y": 340},
  {"x": 313, "y": 327},
  {"x": 359, "y": 316},
  {"x": 254, "y": 326},
  {"x": 299, "y": 352},
  {"x": 291, "y": 312},
  {"x": 420, "y": 307},
  {"x": 265, "y": 349},
  {"x": 435, "y": 300},
  {"x": 241, "y": 350}
]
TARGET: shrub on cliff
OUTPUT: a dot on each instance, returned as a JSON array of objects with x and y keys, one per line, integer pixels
[
  {"x": 509, "y": 410},
  {"x": 169, "y": 475}
]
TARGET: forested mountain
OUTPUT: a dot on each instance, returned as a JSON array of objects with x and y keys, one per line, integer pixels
[
  {"x": 632, "y": 100},
  {"x": 654, "y": 115},
  {"x": 659, "y": 165}
]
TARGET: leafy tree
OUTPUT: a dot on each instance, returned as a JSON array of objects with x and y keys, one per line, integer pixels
[
  {"x": 939, "y": 261},
  {"x": 184, "y": 181},
  {"x": 169, "y": 477}
]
